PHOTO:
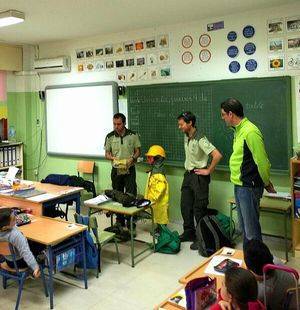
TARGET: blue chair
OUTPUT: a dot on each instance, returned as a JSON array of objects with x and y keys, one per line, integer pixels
[{"x": 17, "y": 274}]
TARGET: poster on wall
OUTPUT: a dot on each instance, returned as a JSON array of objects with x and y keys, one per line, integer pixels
[
  {"x": 215, "y": 26},
  {"x": 293, "y": 24},
  {"x": 276, "y": 62},
  {"x": 275, "y": 26},
  {"x": 275, "y": 45},
  {"x": 293, "y": 61},
  {"x": 293, "y": 43}
]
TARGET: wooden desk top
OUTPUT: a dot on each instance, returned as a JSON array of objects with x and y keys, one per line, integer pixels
[
  {"x": 50, "y": 231},
  {"x": 115, "y": 207},
  {"x": 271, "y": 203},
  {"x": 167, "y": 305},
  {"x": 199, "y": 270},
  {"x": 56, "y": 190}
]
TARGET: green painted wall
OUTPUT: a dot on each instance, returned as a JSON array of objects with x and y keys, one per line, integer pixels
[{"x": 26, "y": 114}]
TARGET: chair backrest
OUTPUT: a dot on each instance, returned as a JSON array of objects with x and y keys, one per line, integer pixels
[
  {"x": 10, "y": 253},
  {"x": 289, "y": 270},
  {"x": 91, "y": 222},
  {"x": 291, "y": 299},
  {"x": 86, "y": 167}
]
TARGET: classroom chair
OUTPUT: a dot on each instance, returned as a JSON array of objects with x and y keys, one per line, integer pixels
[
  {"x": 292, "y": 296},
  {"x": 101, "y": 238},
  {"x": 84, "y": 167},
  {"x": 17, "y": 274}
]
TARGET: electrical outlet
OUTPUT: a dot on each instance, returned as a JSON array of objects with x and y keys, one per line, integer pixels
[
  {"x": 37, "y": 122},
  {"x": 36, "y": 172}
]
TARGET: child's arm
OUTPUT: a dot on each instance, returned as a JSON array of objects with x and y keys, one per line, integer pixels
[{"x": 21, "y": 244}]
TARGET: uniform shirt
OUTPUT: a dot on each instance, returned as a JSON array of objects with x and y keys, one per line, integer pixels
[
  {"x": 197, "y": 149},
  {"x": 122, "y": 147}
]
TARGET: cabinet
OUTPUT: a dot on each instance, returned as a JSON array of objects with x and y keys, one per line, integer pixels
[
  {"x": 295, "y": 193},
  {"x": 11, "y": 154}
]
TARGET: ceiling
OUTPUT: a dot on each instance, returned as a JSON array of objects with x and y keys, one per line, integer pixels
[{"x": 53, "y": 20}]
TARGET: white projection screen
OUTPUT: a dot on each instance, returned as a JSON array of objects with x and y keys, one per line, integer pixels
[{"x": 78, "y": 118}]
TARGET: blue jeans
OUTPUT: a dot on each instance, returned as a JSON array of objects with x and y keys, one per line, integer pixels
[{"x": 247, "y": 202}]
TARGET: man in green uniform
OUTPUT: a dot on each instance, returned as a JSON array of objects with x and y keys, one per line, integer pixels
[
  {"x": 195, "y": 185},
  {"x": 122, "y": 148},
  {"x": 249, "y": 168}
]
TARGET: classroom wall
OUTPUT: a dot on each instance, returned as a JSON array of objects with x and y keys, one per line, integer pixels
[{"x": 26, "y": 111}]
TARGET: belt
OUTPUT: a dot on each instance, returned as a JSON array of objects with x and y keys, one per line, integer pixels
[{"x": 193, "y": 170}]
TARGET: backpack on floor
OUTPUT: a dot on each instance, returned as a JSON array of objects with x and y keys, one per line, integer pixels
[
  {"x": 211, "y": 236},
  {"x": 168, "y": 241}
]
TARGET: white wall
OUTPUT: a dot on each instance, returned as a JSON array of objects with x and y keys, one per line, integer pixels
[{"x": 215, "y": 69}]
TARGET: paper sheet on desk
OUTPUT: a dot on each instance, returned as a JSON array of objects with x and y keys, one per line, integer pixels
[
  {"x": 42, "y": 197},
  {"x": 279, "y": 195},
  {"x": 217, "y": 260},
  {"x": 98, "y": 200}
]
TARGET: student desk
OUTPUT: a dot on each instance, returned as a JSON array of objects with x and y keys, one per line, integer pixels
[
  {"x": 60, "y": 194},
  {"x": 270, "y": 205},
  {"x": 58, "y": 236},
  {"x": 198, "y": 272},
  {"x": 115, "y": 207}
]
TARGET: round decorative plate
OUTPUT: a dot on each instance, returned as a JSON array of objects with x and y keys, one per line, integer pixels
[
  {"x": 248, "y": 31},
  {"x": 204, "y": 40},
  {"x": 249, "y": 48},
  {"x": 187, "y": 58},
  {"x": 232, "y": 51},
  {"x": 204, "y": 55},
  {"x": 187, "y": 41},
  {"x": 231, "y": 36},
  {"x": 234, "y": 67},
  {"x": 251, "y": 65}
]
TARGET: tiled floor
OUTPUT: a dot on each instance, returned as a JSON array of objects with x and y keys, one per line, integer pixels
[{"x": 121, "y": 286}]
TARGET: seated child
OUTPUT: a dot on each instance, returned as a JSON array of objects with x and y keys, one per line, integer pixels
[
  {"x": 157, "y": 188},
  {"x": 10, "y": 233},
  {"x": 238, "y": 291},
  {"x": 256, "y": 255}
]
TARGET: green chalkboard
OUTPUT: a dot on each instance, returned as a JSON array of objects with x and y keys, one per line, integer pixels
[{"x": 153, "y": 111}]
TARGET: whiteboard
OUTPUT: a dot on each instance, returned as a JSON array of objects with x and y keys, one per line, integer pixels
[{"x": 78, "y": 118}]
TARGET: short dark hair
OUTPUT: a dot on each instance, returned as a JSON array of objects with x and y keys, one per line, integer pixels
[
  {"x": 256, "y": 255},
  {"x": 241, "y": 285},
  {"x": 4, "y": 216},
  {"x": 187, "y": 117},
  {"x": 233, "y": 105},
  {"x": 122, "y": 116}
]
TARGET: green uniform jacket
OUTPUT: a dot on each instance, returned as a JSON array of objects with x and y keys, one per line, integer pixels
[{"x": 249, "y": 163}]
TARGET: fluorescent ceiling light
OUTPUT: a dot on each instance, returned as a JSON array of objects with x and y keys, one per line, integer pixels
[{"x": 11, "y": 17}]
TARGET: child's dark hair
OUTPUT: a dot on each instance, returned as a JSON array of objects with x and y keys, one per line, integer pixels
[
  {"x": 256, "y": 255},
  {"x": 188, "y": 117},
  {"x": 241, "y": 285},
  {"x": 4, "y": 217}
]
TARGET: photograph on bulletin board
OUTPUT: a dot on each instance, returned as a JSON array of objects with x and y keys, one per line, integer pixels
[
  {"x": 275, "y": 26},
  {"x": 293, "y": 43},
  {"x": 293, "y": 24},
  {"x": 276, "y": 62},
  {"x": 275, "y": 45},
  {"x": 293, "y": 61}
]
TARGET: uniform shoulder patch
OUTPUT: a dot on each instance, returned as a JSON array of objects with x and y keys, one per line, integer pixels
[{"x": 111, "y": 134}]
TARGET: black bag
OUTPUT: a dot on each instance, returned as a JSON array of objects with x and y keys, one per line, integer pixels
[
  {"x": 211, "y": 236},
  {"x": 126, "y": 199}
]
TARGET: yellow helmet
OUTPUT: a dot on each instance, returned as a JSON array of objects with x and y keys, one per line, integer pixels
[{"x": 156, "y": 150}]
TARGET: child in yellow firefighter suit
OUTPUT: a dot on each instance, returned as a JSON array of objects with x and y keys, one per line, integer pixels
[{"x": 157, "y": 188}]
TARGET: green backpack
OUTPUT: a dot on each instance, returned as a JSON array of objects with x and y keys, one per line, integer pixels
[{"x": 168, "y": 241}]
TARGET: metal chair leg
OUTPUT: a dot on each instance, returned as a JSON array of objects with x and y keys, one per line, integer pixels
[
  {"x": 21, "y": 283},
  {"x": 117, "y": 250},
  {"x": 99, "y": 262},
  {"x": 4, "y": 282}
]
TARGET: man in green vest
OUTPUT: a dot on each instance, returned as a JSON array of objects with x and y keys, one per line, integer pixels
[
  {"x": 249, "y": 168},
  {"x": 122, "y": 148},
  {"x": 195, "y": 185}
]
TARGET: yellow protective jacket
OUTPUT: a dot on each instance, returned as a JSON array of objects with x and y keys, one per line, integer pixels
[{"x": 157, "y": 191}]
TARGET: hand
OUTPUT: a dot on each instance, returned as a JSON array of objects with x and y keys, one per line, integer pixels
[
  {"x": 202, "y": 171},
  {"x": 37, "y": 273},
  {"x": 130, "y": 162},
  {"x": 225, "y": 305},
  {"x": 270, "y": 188}
]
